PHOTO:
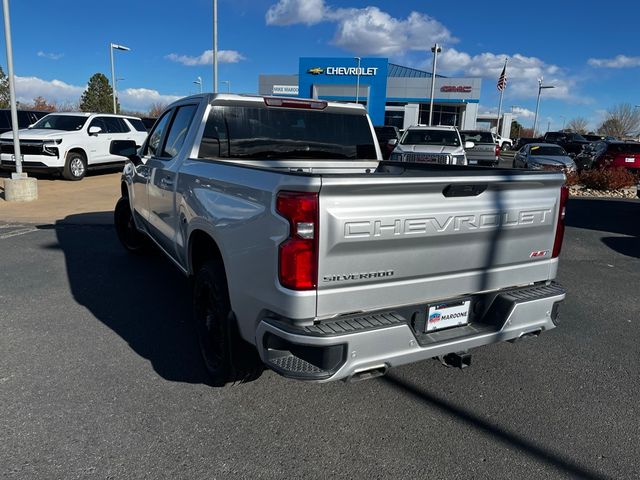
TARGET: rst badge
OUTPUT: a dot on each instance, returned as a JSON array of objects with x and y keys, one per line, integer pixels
[{"x": 539, "y": 253}]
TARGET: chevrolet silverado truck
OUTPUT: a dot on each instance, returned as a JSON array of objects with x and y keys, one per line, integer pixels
[
  {"x": 485, "y": 151},
  {"x": 310, "y": 255},
  {"x": 71, "y": 143}
]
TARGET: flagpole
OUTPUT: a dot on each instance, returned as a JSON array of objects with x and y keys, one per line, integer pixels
[{"x": 501, "y": 97}]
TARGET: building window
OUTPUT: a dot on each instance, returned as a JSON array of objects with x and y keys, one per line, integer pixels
[
  {"x": 395, "y": 119},
  {"x": 442, "y": 114}
]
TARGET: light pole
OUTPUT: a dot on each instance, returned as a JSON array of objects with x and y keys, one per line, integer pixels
[
  {"x": 12, "y": 88},
  {"x": 215, "y": 46},
  {"x": 540, "y": 88},
  {"x": 358, "y": 80},
  {"x": 563, "y": 120},
  {"x": 198, "y": 81},
  {"x": 436, "y": 49},
  {"x": 228, "y": 82},
  {"x": 113, "y": 70}
]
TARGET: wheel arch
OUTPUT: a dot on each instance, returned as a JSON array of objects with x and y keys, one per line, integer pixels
[
  {"x": 79, "y": 150},
  {"x": 202, "y": 248}
]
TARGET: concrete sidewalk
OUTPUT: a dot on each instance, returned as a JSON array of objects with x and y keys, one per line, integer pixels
[{"x": 93, "y": 197}]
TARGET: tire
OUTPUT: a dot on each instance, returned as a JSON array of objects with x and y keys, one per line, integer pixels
[
  {"x": 227, "y": 357},
  {"x": 131, "y": 238},
  {"x": 75, "y": 167}
]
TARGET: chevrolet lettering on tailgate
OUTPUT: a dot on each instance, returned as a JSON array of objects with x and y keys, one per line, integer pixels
[{"x": 446, "y": 223}]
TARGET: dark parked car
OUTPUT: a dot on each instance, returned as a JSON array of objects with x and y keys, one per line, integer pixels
[
  {"x": 594, "y": 137},
  {"x": 573, "y": 143},
  {"x": 385, "y": 133},
  {"x": 521, "y": 142},
  {"x": 25, "y": 118},
  {"x": 610, "y": 155},
  {"x": 148, "y": 122}
]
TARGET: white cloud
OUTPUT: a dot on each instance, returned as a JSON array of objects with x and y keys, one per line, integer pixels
[
  {"x": 522, "y": 72},
  {"x": 206, "y": 58},
  {"x": 290, "y": 12},
  {"x": 370, "y": 31},
  {"x": 522, "y": 113},
  {"x": 28, "y": 88},
  {"x": 619, "y": 61},
  {"x": 50, "y": 56},
  {"x": 142, "y": 98},
  {"x": 367, "y": 31}
]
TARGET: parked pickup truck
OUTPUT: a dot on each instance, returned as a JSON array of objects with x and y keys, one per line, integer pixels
[
  {"x": 485, "y": 151},
  {"x": 313, "y": 257}
]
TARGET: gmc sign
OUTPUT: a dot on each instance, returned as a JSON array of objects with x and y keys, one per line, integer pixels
[{"x": 455, "y": 89}]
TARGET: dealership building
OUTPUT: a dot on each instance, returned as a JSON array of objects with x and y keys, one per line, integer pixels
[{"x": 392, "y": 94}]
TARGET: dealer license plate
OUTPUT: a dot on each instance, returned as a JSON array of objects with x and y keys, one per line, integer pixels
[{"x": 447, "y": 315}]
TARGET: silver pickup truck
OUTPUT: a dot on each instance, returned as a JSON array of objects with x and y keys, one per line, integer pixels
[{"x": 310, "y": 255}]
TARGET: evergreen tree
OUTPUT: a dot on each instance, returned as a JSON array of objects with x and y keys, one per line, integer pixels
[
  {"x": 98, "y": 96},
  {"x": 5, "y": 97}
]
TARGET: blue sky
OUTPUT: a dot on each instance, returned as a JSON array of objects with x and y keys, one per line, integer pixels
[{"x": 589, "y": 52}]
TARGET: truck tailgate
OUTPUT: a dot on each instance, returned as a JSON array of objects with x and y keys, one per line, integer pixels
[{"x": 387, "y": 241}]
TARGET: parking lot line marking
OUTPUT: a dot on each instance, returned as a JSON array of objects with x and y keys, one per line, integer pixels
[{"x": 20, "y": 231}]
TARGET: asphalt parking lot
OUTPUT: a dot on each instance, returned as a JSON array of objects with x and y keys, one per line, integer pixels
[{"x": 100, "y": 378}]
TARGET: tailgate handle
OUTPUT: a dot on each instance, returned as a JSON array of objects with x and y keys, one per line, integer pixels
[{"x": 464, "y": 190}]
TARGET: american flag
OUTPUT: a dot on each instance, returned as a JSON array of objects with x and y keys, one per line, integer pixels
[{"x": 502, "y": 81}]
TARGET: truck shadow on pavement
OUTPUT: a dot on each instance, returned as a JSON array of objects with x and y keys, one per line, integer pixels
[
  {"x": 564, "y": 465},
  {"x": 143, "y": 299},
  {"x": 608, "y": 216}
]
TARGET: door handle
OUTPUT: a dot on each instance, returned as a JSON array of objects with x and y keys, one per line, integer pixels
[{"x": 166, "y": 182}]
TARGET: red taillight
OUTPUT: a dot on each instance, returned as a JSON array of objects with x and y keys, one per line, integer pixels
[
  {"x": 557, "y": 244},
  {"x": 298, "y": 256},
  {"x": 295, "y": 103},
  {"x": 497, "y": 150}
]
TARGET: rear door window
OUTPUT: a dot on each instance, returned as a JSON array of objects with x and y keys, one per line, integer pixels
[{"x": 115, "y": 125}]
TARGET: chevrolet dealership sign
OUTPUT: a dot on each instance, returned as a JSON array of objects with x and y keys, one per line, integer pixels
[{"x": 344, "y": 71}]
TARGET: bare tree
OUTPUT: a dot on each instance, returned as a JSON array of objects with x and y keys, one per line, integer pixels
[
  {"x": 623, "y": 120},
  {"x": 41, "y": 104},
  {"x": 156, "y": 109},
  {"x": 578, "y": 125},
  {"x": 68, "y": 107}
]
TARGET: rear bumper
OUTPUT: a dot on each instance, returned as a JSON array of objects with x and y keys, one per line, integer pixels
[
  {"x": 485, "y": 162},
  {"x": 344, "y": 348}
]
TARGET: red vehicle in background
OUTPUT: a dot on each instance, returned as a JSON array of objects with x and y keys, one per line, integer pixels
[{"x": 610, "y": 155}]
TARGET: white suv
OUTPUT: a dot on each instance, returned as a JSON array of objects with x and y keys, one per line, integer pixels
[
  {"x": 423, "y": 144},
  {"x": 71, "y": 142}
]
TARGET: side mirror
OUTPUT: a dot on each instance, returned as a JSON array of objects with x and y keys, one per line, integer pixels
[
  {"x": 392, "y": 142},
  {"x": 468, "y": 145},
  {"x": 94, "y": 130},
  {"x": 125, "y": 148},
  {"x": 31, "y": 126}
]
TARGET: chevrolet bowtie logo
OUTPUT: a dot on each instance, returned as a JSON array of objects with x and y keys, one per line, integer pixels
[{"x": 316, "y": 71}]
